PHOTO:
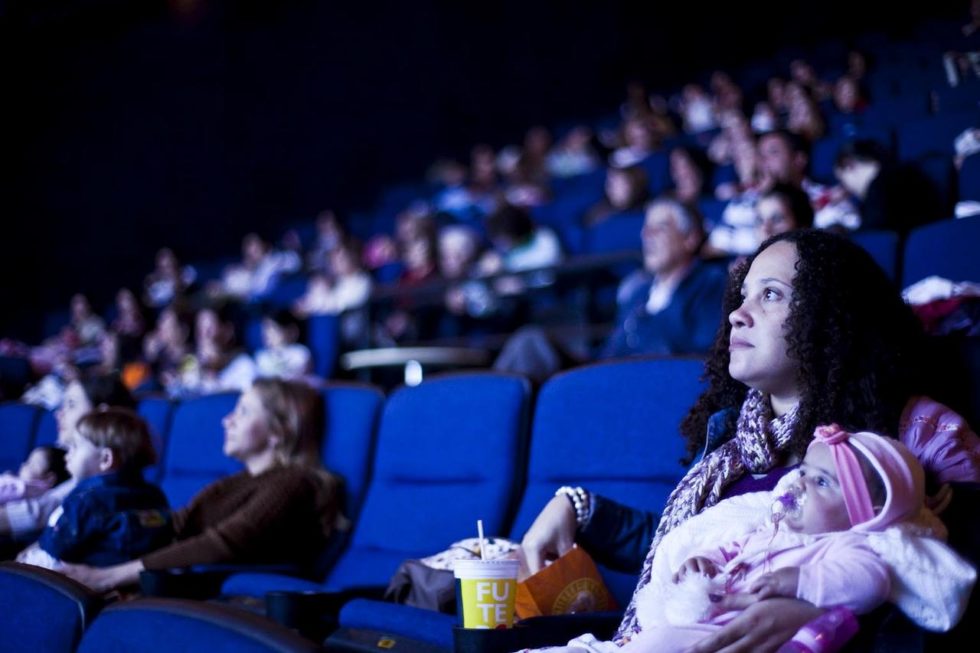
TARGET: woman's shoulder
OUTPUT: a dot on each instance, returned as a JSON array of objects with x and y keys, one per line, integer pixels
[
  {"x": 941, "y": 439},
  {"x": 925, "y": 411},
  {"x": 295, "y": 478}
]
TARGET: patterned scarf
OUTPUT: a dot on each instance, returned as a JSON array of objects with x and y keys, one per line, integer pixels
[{"x": 756, "y": 447}]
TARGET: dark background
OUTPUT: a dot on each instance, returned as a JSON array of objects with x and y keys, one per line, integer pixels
[{"x": 128, "y": 125}]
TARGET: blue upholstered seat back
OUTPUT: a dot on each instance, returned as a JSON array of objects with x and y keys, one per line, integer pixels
[
  {"x": 620, "y": 232},
  {"x": 158, "y": 413},
  {"x": 947, "y": 248},
  {"x": 612, "y": 428},
  {"x": 47, "y": 429},
  {"x": 348, "y": 444},
  {"x": 42, "y": 611},
  {"x": 195, "y": 455},
  {"x": 151, "y": 625},
  {"x": 17, "y": 424},
  {"x": 449, "y": 452},
  {"x": 883, "y": 247}
]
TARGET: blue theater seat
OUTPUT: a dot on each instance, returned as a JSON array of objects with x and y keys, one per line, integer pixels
[
  {"x": 449, "y": 451},
  {"x": 151, "y": 625},
  {"x": 41, "y": 610},
  {"x": 610, "y": 427},
  {"x": 947, "y": 248},
  {"x": 346, "y": 449},
  {"x": 17, "y": 424},
  {"x": 158, "y": 413},
  {"x": 932, "y": 135},
  {"x": 194, "y": 456},
  {"x": 883, "y": 247},
  {"x": 322, "y": 337},
  {"x": 969, "y": 179},
  {"x": 46, "y": 431},
  {"x": 618, "y": 233},
  {"x": 348, "y": 444}
]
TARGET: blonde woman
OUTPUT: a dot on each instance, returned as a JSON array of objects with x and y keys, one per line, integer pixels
[{"x": 281, "y": 508}]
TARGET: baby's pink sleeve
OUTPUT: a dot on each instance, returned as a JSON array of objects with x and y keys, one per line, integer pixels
[{"x": 848, "y": 574}]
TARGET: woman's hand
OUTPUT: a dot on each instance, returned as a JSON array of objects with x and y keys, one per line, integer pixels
[
  {"x": 103, "y": 579},
  {"x": 551, "y": 535},
  {"x": 762, "y": 627}
]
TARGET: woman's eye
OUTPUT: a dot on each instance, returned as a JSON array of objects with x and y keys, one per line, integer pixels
[
  {"x": 770, "y": 295},
  {"x": 822, "y": 482}
]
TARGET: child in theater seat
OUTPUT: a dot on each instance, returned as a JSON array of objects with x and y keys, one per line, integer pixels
[
  {"x": 43, "y": 469},
  {"x": 112, "y": 514}
]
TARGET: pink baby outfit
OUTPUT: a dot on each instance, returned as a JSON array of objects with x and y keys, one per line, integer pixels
[{"x": 844, "y": 568}]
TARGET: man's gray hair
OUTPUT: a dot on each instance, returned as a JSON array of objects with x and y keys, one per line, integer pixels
[{"x": 686, "y": 219}]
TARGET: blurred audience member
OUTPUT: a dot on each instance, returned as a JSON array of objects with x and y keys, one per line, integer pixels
[
  {"x": 282, "y": 356},
  {"x": 889, "y": 195},
  {"x": 216, "y": 364},
  {"x": 627, "y": 190},
  {"x": 574, "y": 154},
  {"x": 258, "y": 273},
  {"x": 671, "y": 306},
  {"x": 168, "y": 280}
]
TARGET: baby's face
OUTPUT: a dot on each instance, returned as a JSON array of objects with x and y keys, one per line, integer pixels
[
  {"x": 35, "y": 468},
  {"x": 823, "y": 509}
]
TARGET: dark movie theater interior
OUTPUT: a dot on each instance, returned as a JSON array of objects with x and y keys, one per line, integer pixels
[{"x": 448, "y": 327}]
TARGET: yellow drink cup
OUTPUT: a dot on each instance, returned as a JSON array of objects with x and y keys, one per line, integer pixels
[{"x": 485, "y": 592}]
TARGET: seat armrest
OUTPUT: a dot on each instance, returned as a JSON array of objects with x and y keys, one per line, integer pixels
[
  {"x": 201, "y": 581},
  {"x": 536, "y": 632},
  {"x": 314, "y": 614}
]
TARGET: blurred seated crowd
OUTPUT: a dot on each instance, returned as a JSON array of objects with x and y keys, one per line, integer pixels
[{"x": 671, "y": 189}]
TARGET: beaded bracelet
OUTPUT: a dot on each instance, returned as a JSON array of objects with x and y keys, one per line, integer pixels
[{"x": 580, "y": 500}]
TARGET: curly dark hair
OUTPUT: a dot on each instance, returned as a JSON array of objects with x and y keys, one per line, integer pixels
[{"x": 858, "y": 345}]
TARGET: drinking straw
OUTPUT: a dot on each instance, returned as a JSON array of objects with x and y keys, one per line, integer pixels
[{"x": 483, "y": 548}]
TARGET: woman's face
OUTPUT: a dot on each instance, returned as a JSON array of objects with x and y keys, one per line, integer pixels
[
  {"x": 170, "y": 328},
  {"x": 845, "y": 94},
  {"x": 126, "y": 301},
  {"x": 757, "y": 343},
  {"x": 75, "y": 404},
  {"x": 247, "y": 431},
  {"x": 618, "y": 189},
  {"x": 208, "y": 326},
  {"x": 80, "y": 308},
  {"x": 274, "y": 335}
]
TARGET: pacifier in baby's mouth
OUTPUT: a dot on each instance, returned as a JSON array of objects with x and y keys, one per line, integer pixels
[{"x": 788, "y": 504}]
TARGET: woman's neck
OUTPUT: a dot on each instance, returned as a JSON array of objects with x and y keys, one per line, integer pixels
[
  {"x": 782, "y": 404},
  {"x": 260, "y": 463}
]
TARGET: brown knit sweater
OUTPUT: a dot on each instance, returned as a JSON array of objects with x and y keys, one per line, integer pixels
[{"x": 269, "y": 518}]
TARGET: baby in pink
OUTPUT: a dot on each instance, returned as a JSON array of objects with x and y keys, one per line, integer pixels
[
  {"x": 43, "y": 469},
  {"x": 848, "y": 529}
]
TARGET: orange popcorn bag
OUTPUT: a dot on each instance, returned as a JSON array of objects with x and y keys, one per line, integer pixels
[{"x": 570, "y": 584}]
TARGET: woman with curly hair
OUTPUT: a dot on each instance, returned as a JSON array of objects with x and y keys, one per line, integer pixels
[{"x": 815, "y": 334}]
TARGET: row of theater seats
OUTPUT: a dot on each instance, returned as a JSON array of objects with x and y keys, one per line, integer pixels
[
  {"x": 456, "y": 449},
  {"x": 43, "y": 611},
  {"x": 421, "y": 466}
]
